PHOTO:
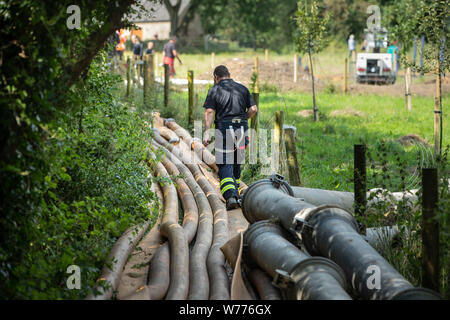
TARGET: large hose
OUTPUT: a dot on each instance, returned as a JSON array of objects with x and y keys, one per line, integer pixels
[
  {"x": 179, "y": 250},
  {"x": 198, "y": 274},
  {"x": 263, "y": 285},
  {"x": 118, "y": 257},
  {"x": 195, "y": 144},
  {"x": 333, "y": 233},
  {"x": 345, "y": 200},
  {"x": 315, "y": 278},
  {"x": 219, "y": 281}
]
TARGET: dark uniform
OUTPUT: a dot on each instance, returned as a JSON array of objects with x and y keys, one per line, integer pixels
[{"x": 230, "y": 101}]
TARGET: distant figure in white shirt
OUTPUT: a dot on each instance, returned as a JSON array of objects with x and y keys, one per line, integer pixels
[{"x": 351, "y": 45}]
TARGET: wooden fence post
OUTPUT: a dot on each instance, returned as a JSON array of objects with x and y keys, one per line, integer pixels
[
  {"x": 138, "y": 71},
  {"x": 291, "y": 155},
  {"x": 437, "y": 113},
  {"x": 409, "y": 89},
  {"x": 151, "y": 69},
  {"x": 256, "y": 67},
  {"x": 295, "y": 66},
  {"x": 156, "y": 65},
  {"x": 146, "y": 82},
  {"x": 430, "y": 230},
  {"x": 359, "y": 179},
  {"x": 345, "y": 76},
  {"x": 408, "y": 102},
  {"x": 191, "y": 99},
  {"x": 166, "y": 85},
  {"x": 255, "y": 119},
  {"x": 128, "y": 76},
  {"x": 278, "y": 138}
]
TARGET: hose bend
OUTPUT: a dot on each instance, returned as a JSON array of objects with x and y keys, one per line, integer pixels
[
  {"x": 198, "y": 274},
  {"x": 219, "y": 281}
]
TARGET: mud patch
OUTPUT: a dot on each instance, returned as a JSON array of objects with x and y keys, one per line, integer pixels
[
  {"x": 411, "y": 139},
  {"x": 347, "y": 112},
  {"x": 305, "y": 113}
]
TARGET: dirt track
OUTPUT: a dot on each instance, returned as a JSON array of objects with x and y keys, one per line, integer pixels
[{"x": 280, "y": 74}]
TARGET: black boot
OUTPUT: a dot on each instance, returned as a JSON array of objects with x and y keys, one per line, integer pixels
[{"x": 232, "y": 203}]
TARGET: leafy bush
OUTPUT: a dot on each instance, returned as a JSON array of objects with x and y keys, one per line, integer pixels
[{"x": 95, "y": 187}]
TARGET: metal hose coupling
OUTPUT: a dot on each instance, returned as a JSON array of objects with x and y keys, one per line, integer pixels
[
  {"x": 305, "y": 277},
  {"x": 331, "y": 232}
]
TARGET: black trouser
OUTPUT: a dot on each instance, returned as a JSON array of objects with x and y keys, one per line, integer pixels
[{"x": 231, "y": 139}]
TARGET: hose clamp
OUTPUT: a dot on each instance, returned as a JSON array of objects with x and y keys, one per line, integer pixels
[
  {"x": 300, "y": 225},
  {"x": 282, "y": 279},
  {"x": 277, "y": 180}
]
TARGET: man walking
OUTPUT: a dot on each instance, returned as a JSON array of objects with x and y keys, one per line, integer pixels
[
  {"x": 229, "y": 104},
  {"x": 169, "y": 54},
  {"x": 137, "y": 48}
]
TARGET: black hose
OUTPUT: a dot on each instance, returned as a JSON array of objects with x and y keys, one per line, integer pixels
[
  {"x": 333, "y": 233},
  {"x": 315, "y": 278}
]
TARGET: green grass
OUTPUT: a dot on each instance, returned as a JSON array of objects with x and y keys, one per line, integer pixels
[{"x": 326, "y": 147}]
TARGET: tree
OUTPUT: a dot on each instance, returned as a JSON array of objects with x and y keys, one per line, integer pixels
[
  {"x": 43, "y": 57},
  {"x": 310, "y": 37},
  {"x": 255, "y": 21},
  {"x": 434, "y": 23},
  {"x": 409, "y": 19},
  {"x": 174, "y": 15}
]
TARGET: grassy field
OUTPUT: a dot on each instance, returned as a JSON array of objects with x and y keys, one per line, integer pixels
[
  {"x": 201, "y": 62},
  {"x": 325, "y": 148}
]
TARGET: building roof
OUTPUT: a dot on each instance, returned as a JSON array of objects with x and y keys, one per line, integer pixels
[{"x": 155, "y": 11}]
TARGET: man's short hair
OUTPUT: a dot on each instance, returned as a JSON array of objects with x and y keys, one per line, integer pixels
[{"x": 221, "y": 72}]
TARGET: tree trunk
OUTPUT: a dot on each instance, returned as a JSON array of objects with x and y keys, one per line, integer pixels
[
  {"x": 173, "y": 13},
  {"x": 96, "y": 41},
  {"x": 316, "y": 115}
]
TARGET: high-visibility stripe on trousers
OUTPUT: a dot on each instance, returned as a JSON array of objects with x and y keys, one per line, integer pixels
[{"x": 228, "y": 184}]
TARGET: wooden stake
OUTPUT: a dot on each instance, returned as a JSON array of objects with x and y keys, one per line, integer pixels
[
  {"x": 430, "y": 230},
  {"x": 166, "y": 85},
  {"x": 257, "y": 76},
  {"x": 295, "y": 66},
  {"x": 138, "y": 73},
  {"x": 151, "y": 69},
  {"x": 191, "y": 99},
  {"x": 291, "y": 155},
  {"x": 409, "y": 89},
  {"x": 146, "y": 81},
  {"x": 128, "y": 76},
  {"x": 359, "y": 179},
  {"x": 156, "y": 65},
  {"x": 277, "y": 140},
  {"x": 254, "y": 120},
  {"x": 266, "y": 54},
  {"x": 437, "y": 113},
  {"x": 345, "y": 76}
]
